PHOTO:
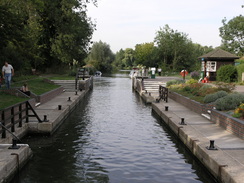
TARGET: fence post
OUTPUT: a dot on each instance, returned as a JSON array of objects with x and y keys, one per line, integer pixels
[
  {"x": 3, "y": 122},
  {"x": 20, "y": 115},
  {"x": 27, "y": 112},
  {"x": 12, "y": 120}
]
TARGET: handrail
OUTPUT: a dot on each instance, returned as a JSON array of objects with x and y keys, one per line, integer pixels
[
  {"x": 16, "y": 114},
  {"x": 163, "y": 93}
]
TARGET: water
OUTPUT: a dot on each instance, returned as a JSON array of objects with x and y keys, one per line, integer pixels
[{"x": 111, "y": 137}]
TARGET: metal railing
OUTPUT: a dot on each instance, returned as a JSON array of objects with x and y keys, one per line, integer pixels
[
  {"x": 163, "y": 93},
  {"x": 15, "y": 116}
]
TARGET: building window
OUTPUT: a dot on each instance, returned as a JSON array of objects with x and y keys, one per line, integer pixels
[{"x": 211, "y": 66}]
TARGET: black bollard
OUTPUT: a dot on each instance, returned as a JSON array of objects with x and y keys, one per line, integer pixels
[
  {"x": 59, "y": 107},
  {"x": 45, "y": 118},
  {"x": 14, "y": 145},
  {"x": 69, "y": 99},
  {"x": 166, "y": 108},
  {"x": 149, "y": 94},
  {"x": 182, "y": 121},
  {"x": 211, "y": 146},
  {"x": 76, "y": 93}
]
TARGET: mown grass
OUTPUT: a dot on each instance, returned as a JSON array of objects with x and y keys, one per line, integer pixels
[
  {"x": 36, "y": 85},
  {"x": 9, "y": 100},
  {"x": 60, "y": 77}
]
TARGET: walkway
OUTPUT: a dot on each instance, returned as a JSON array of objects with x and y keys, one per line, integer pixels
[{"x": 227, "y": 162}]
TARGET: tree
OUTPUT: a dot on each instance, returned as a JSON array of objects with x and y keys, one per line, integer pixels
[
  {"x": 145, "y": 54},
  {"x": 174, "y": 49},
  {"x": 119, "y": 56},
  {"x": 232, "y": 34},
  {"x": 128, "y": 60},
  {"x": 101, "y": 57}
]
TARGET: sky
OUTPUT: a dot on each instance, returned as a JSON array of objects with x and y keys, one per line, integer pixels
[{"x": 124, "y": 23}]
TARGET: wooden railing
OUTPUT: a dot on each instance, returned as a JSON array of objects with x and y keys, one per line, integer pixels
[
  {"x": 15, "y": 116},
  {"x": 163, "y": 93}
]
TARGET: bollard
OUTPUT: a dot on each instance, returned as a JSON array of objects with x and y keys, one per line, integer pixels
[
  {"x": 69, "y": 99},
  {"x": 146, "y": 91},
  {"x": 76, "y": 93},
  {"x": 211, "y": 146},
  {"x": 45, "y": 118},
  {"x": 149, "y": 94},
  {"x": 59, "y": 107},
  {"x": 182, "y": 121},
  {"x": 166, "y": 108},
  {"x": 14, "y": 144}
]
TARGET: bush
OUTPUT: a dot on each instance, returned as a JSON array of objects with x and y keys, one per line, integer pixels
[
  {"x": 227, "y": 73},
  {"x": 228, "y": 87},
  {"x": 214, "y": 96},
  {"x": 191, "y": 81},
  {"x": 240, "y": 70},
  {"x": 229, "y": 102},
  {"x": 195, "y": 75},
  {"x": 174, "y": 82}
]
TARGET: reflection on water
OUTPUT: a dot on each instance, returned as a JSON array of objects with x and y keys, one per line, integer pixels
[{"x": 111, "y": 137}]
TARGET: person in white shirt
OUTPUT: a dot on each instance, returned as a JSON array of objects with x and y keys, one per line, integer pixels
[{"x": 7, "y": 72}]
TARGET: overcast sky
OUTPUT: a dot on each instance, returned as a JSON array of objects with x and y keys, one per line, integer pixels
[{"x": 125, "y": 23}]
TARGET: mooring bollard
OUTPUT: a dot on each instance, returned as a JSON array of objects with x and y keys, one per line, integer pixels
[
  {"x": 166, "y": 108},
  {"x": 76, "y": 93},
  {"x": 182, "y": 121},
  {"x": 69, "y": 99},
  {"x": 14, "y": 144},
  {"x": 59, "y": 107},
  {"x": 45, "y": 118},
  {"x": 211, "y": 146},
  {"x": 149, "y": 94}
]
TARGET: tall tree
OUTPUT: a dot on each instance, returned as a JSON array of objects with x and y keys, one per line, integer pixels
[
  {"x": 145, "y": 54},
  {"x": 101, "y": 57},
  {"x": 175, "y": 48},
  {"x": 232, "y": 34}
]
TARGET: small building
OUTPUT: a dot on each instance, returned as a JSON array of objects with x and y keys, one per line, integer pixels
[{"x": 213, "y": 60}]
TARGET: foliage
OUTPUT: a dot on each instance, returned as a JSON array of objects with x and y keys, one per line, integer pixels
[
  {"x": 101, "y": 57},
  {"x": 232, "y": 35},
  {"x": 129, "y": 58},
  {"x": 46, "y": 33},
  {"x": 195, "y": 75},
  {"x": 228, "y": 87},
  {"x": 145, "y": 54},
  {"x": 174, "y": 82},
  {"x": 227, "y": 73},
  {"x": 239, "y": 111},
  {"x": 240, "y": 70},
  {"x": 176, "y": 50},
  {"x": 214, "y": 96},
  {"x": 191, "y": 81},
  {"x": 229, "y": 102}
]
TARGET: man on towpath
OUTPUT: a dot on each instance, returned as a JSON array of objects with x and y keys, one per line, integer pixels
[{"x": 7, "y": 72}]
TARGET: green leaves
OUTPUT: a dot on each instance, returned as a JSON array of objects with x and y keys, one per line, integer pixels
[{"x": 232, "y": 34}]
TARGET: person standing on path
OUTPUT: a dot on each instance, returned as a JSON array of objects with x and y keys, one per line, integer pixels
[{"x": 7, "y": 72}]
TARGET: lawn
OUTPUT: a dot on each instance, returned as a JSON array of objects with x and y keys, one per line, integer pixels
[
  {"x": 36, "y": 85},
  {"x": 8, "y": 100}
]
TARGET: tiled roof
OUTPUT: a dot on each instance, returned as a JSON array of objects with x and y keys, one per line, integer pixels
[{"x": 219, "y": 53}]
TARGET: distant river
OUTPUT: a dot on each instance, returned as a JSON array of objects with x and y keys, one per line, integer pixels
[{"x": 113, "y": 137}]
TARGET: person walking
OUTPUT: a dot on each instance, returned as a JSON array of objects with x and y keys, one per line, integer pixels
[{"x": 7, "y": 72}]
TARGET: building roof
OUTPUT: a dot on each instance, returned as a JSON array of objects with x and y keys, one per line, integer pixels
[{"x": 219, "y": 53}]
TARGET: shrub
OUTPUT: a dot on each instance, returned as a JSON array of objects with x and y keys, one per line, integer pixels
[
  {"x": 195, "y": 75},
  {"x": 239, "y": 111},
  {"x": 228, "y": 87},
  {"x": 214, "y": 96},
  {"x": 240, "y": 70},
  {"x": 227, "y": 73},
  {"x": 229, "y": 102},
  {"x": 191, "y": 81},
  {"x": 174, "y": 82}
]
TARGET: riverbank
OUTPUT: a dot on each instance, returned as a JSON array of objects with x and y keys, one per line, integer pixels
[
  {"x": 52, "y": 112},
  {"x": 225, "y": 158}
]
